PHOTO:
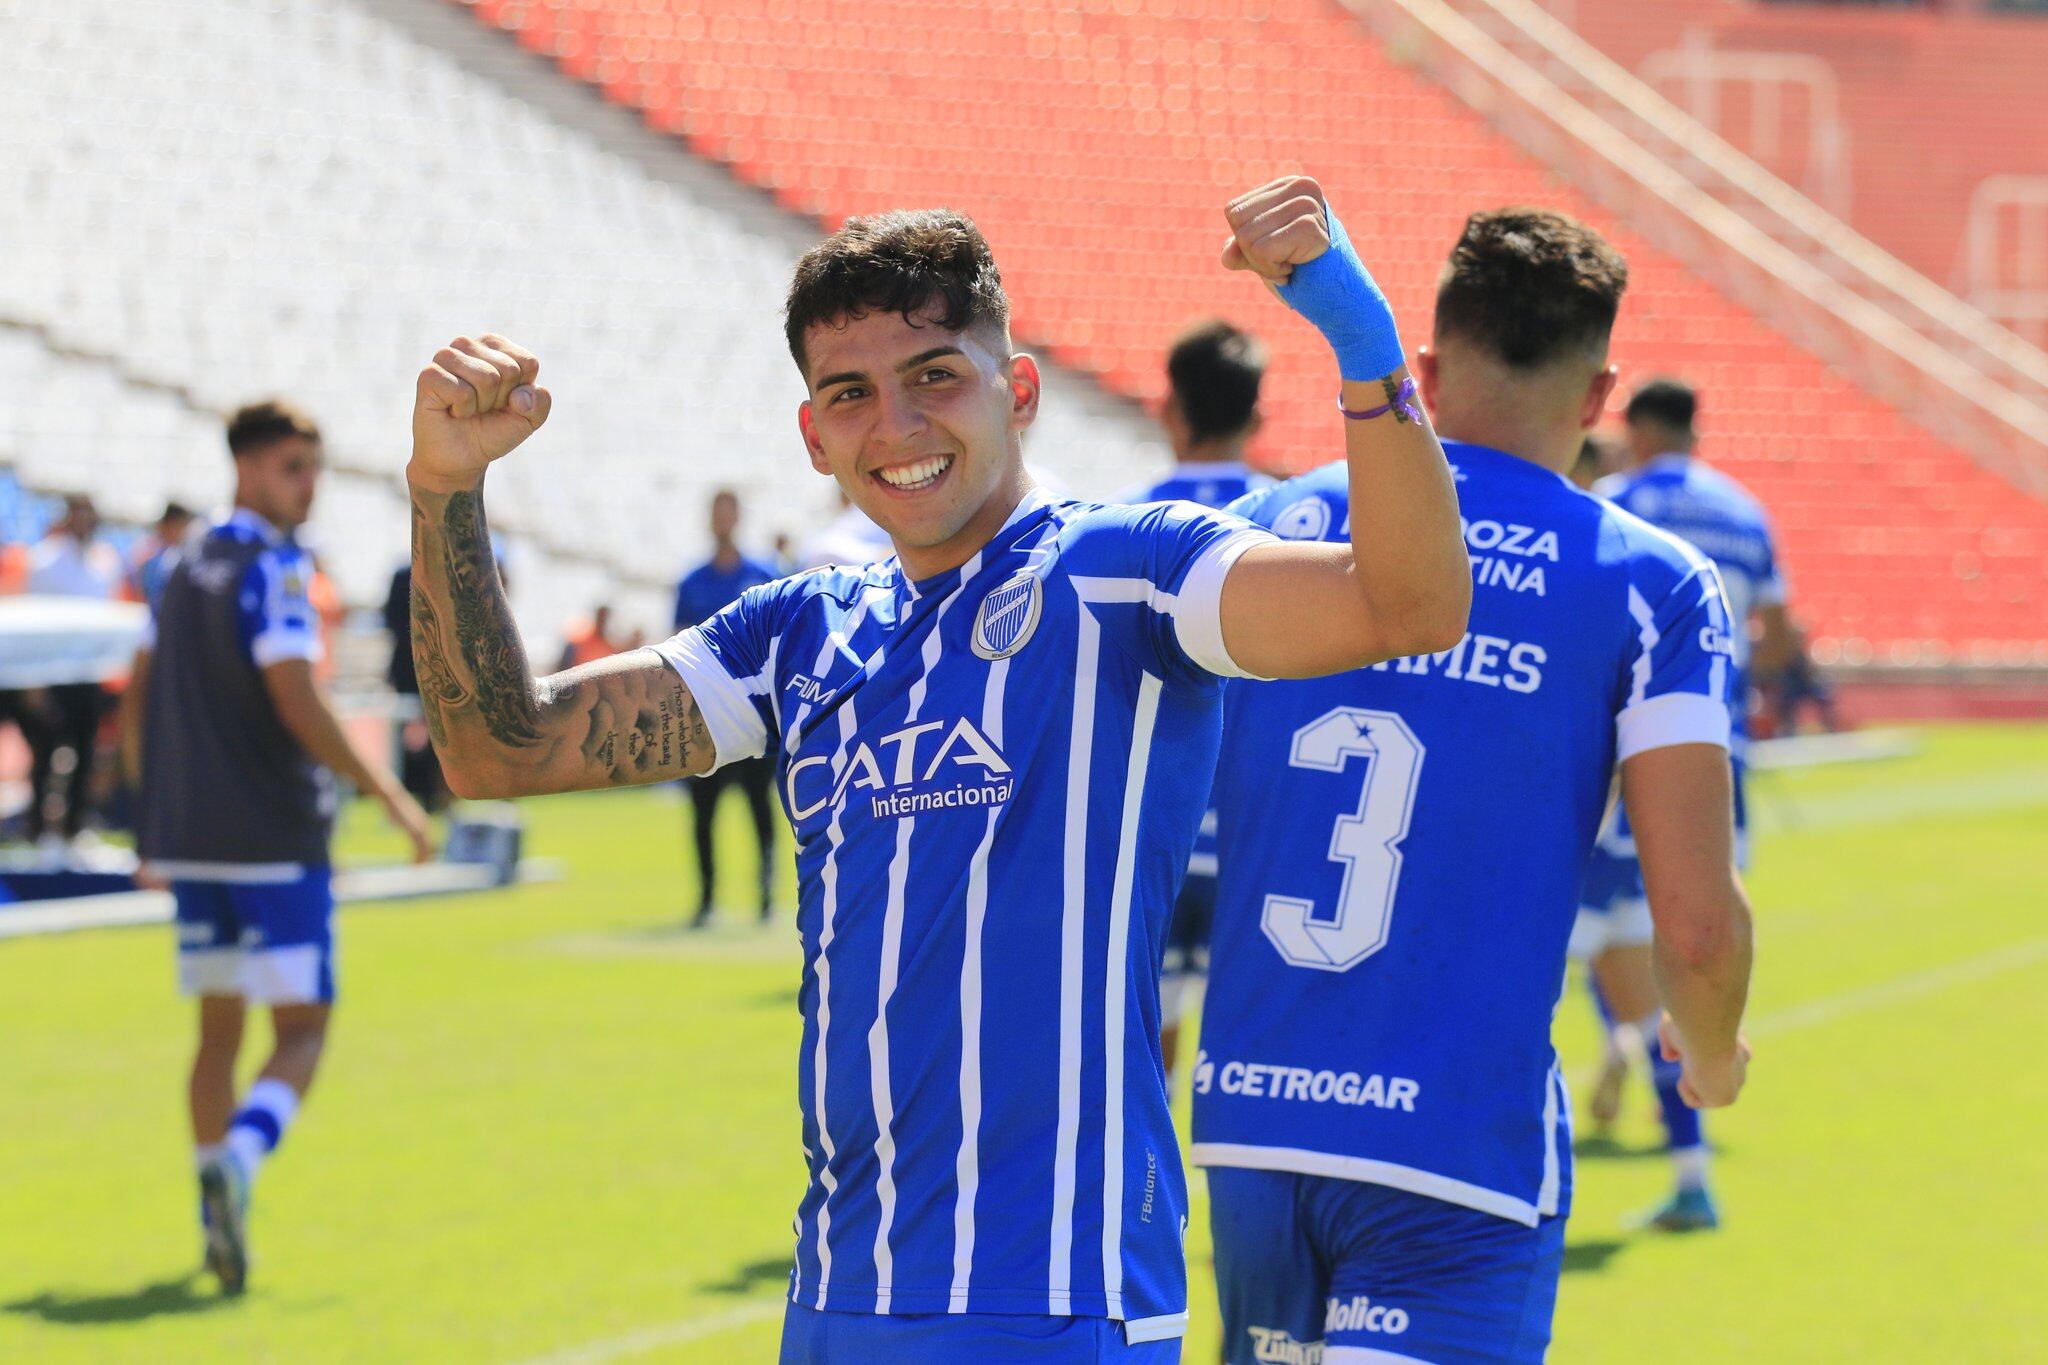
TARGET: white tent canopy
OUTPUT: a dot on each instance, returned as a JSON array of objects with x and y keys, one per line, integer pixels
[{"x": 45, "y": 641}]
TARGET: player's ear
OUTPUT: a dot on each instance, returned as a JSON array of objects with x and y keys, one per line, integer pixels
[
  {"x": 1024, "y": 387},
  {"x": 1426, "y": 375},
  {"x": 815, "y": 447},
  {"x": 1597, "y": 394}
]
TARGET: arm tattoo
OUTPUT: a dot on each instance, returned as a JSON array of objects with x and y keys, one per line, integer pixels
[
  {"x": 606, "y": 723},
  {"x": 502, "y": 690}
]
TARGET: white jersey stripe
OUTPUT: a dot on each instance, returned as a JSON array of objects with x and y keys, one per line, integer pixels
[
  {"x": 1553, "y": 1162},
  {"x": 1073, "y": 935},
  {"x": 892, "y": 962},
  {"x": 830, "y": 877},
  {"x": 1646, "y": 631},
  {"x": 967, "y": 1166},
  {"x": 1115, "y": 1044}
]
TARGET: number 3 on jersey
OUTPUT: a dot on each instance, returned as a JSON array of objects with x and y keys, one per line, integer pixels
[{"x": 1367, "y": 843}]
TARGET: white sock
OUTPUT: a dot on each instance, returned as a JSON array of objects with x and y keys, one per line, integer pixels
[
  {"x": 260, "y": 1124},
  {"x": 1690, "y": 1165}
]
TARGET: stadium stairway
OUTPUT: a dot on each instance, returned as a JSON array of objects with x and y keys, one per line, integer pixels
[
  {"x": 176, "y": 243},
  {"x": 1905, "y": 113},
  {"x": 1096, "y": 142}
]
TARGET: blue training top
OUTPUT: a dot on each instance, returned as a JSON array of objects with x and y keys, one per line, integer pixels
[
  {"x": 988, "y": 772},
  {"x": 1401, "y": 847},
  {"x": 707, "y": 589}
]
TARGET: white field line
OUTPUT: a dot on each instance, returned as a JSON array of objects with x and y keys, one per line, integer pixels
[
  {"x": 668, "y": 1334},
  {"x": 1899, "y": 989}
]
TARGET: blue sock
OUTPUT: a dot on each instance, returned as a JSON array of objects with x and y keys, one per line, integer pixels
[
  {"x": 258, "y": 1126},
  {"x": 1682, "y": 1130}
]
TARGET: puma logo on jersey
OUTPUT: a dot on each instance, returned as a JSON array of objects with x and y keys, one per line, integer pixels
[{"x": 902, "y": 769}]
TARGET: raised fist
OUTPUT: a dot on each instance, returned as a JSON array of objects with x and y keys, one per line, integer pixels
[
  {"x": 1277, "y": 227},
  {"x": 473, "y": 404}
]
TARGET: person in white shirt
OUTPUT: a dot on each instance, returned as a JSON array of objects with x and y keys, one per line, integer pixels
[{"x": 71, "y": 561}]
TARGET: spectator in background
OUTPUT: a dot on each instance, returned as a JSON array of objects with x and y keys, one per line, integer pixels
[
  {"x": 589, "y": 640},
  {"x": 72, "y": 561},
  {"x": 1599, "y": 456},
  {"x": 703, "y": 593},
  {"x": 151, "y": 563},
  {"x": 419, "y": 767}
]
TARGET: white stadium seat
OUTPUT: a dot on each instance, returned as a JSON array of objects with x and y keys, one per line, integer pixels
[{"x": 242, "y": 197}]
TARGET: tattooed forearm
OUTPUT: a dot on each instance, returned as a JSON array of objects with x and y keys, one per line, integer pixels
[
  {"x": 625, "y": 719},
  {"x": 439, "y": 688},
  {"x": 1397, "y": 402},
  {"x": 484, "y": 630}
]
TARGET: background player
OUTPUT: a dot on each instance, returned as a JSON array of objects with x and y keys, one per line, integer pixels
[
  {"x": 1667, "y": 487},
  {"x": 237, "y": 748},
  {"x": 704, "y": 592},
  {"x": 1377, "y": 1097},
  {"x": 994, "y": 749},
  {"x": 1211, "y": 414}
]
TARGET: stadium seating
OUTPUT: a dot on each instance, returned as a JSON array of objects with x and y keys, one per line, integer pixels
[
  {"x": 319, "y": 229},
  {"x": 1096, "y": 142},
  {"x": 1930, "y": 103}
]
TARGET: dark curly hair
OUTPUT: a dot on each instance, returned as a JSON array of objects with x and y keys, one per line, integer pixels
[
  {"x": 256, "y": 426},
  {"x": 903, "y": 262},
  {"x": 1531, "y": 286}
]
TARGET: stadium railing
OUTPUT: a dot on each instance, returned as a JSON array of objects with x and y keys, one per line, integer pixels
[{"x": 1827, "y": 287}]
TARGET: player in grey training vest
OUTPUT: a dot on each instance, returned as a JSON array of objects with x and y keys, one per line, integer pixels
[{"x": 235, "y": 750}]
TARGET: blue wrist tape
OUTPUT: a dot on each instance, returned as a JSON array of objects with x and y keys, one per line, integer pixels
[{"x": 1336, "y": 293}]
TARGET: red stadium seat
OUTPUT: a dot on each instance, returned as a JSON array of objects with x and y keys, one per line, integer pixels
[{"x": 1095, "y": 144}]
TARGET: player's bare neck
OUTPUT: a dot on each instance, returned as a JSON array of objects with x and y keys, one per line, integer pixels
[{"x": 928, "y": 561}]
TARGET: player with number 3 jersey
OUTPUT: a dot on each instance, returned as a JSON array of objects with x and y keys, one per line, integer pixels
[{"x": 1376, "y": 1095}]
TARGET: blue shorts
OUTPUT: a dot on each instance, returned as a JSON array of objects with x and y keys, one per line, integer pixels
[
  {"x": 268, "y": 942},
  {"x": 810, "y": 1337},
  {"x": 1375, "y": 1274}
]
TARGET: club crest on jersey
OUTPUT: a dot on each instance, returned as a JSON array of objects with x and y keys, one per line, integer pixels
[
  {"x": 1008, "y": 616},
  {"x": 1308, "y": 519}
]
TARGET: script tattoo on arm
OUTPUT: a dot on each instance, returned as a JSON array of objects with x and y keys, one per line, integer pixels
[{"x": 625, "y": 719}]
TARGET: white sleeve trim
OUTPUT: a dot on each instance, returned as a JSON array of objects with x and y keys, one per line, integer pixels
[
  {"x": 1674, "y": 718},
  {"x": 1198, "y": 606},
  {"x": 735, "y": 726},
  {"x": 285, "y": 642}
]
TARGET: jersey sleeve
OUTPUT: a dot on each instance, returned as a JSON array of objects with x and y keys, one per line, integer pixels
[
  {"x": 1681, "y": 660},
  {"x": 727, "y": 662},
  {"x": 278, "y": 618},
  {"x": 1153, "y": 575}
]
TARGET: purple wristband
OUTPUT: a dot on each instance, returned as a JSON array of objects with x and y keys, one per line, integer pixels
[{"x": 1404, "y": 400}]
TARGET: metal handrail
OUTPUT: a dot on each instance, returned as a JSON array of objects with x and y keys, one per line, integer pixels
[{"x": 1941, "y": 385}]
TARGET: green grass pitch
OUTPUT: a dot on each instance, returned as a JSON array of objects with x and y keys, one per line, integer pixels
[{"x": 554, "y": 1126}]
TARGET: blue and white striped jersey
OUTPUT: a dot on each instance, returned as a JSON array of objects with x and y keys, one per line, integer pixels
[
  {"x": 1716, "y": 516},
  {"x": 1214, "y": 483},
  {"x": 1401, "y": 847},
  {"x": 994, "y": 776}
]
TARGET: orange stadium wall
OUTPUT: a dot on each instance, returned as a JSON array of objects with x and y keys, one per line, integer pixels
[{"x": 1933, "y": 102}]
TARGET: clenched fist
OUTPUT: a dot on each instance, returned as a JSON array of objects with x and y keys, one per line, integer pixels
[
  {"x": 476, "y": 402},
  {"x": 1277, "y": 227}
]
